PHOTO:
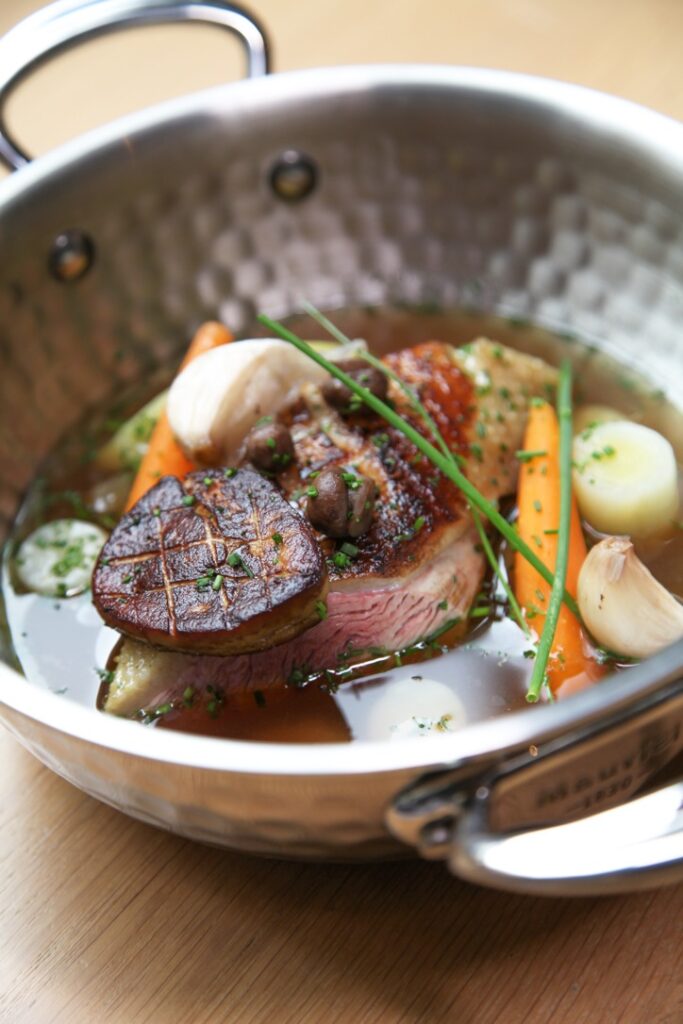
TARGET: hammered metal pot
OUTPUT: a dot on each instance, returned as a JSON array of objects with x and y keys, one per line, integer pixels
[{"x": 351, "y": 186}]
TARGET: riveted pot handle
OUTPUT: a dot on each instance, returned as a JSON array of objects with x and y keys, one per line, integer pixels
[
  {"x": 564, "y": 809},
  {"x": 637, "y": 845},
  {"x": 63, "y": 24}
]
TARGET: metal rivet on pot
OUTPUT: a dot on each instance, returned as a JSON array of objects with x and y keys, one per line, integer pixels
[
  {"x": 71, "y": 255},
  {"x": 293, "y": 176}
]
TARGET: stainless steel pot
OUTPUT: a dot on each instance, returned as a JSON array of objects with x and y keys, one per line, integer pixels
[{"x": 364, "y": 185}]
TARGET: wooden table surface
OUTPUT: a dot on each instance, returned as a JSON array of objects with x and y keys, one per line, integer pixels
[{"x": 105, "y": 920}]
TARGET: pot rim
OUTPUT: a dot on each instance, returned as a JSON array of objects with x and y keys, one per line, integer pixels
[{"x": 658, "y": 136}]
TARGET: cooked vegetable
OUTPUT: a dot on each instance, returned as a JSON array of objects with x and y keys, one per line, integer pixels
[
  {"x": 415, "y": 707},
  {"x": 539, "y": 496},
  {"x": 126, "y": 448},
  {"x": 164, "y": 457},
  {"x": 626, "y": 479},
  {"x": 57, "y": 559},
  {"x": 442, "y": 462},
  {"x": 340, "y": 503},
  {"x": 269, "y": 447},
  {"x": 588, "y": 416},
  {"x": 341, "y": 397},
  {"x": 214, "y": 402},
  {"x": 626, "y": 609}
]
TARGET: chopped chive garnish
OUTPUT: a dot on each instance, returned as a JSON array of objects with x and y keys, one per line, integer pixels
[
  {"x": 202, "y": 582},
  {"x": 349, "y": 549},
  {"x": 207, "y": 481},
  {"x": 235, "y": 560},
  {"x": 229, "y": 473},
  {"x": 418, "y": 524},
  {"x": 188, "y": 499},
  {"x": 312, "y": 491},
  {"x": 526, "y": 455},
  {"x": 340, "y": 560},
  {"x": 217, "y": 582},
  {"x": 321, "y": 610},
  {"x": 277, "y": 539},
  {"x": 551, "y": 533},
  {"x": 351, "y": 481},
  {"x": 480, "y": 613}
]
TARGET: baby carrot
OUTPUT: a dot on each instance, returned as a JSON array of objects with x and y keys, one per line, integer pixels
[
  {"x": 538, "y": 497},
  {"x": 164, "y": 456}
]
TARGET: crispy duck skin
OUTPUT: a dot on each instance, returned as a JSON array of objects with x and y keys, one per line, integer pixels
[{"x": 215, "y": 565}]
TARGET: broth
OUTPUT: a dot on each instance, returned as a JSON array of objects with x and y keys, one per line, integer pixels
[{"x": 475, "y": 672}]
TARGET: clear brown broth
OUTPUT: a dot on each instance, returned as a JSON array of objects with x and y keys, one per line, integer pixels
[{"x": 475, "y": 673}]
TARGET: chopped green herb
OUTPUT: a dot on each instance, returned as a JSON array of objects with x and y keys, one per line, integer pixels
[
  {"x": 277, "y": 540},
  {"x": 217, "y": 582},
  {"x": 235, "y": 560},
  {"x": 526, "y": 456},
  {"x": 349, "y": 549},
  {"x": 537, "y": 506},
  {"x": 208, "y": 481},
  {"x": 312, "y": 491},
  {"x": 351, "y": 481},
  {"x": 229, "y": 473},
  {"x": 188, "y": 499},
  {"x": 418, "y": 524},
  {"x": 321, "y": 609}
]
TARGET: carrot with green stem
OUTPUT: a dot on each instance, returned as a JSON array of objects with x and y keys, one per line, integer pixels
[
  {"x": 164, "y": 456},
  {"x": 549, "y": 520}
]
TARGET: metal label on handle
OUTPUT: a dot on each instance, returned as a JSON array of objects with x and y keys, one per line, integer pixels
[{"x": 591, "y": 775}]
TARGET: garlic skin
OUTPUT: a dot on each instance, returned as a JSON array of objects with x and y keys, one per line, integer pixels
[
  {"x": 621, "y": 603},
  {"x": 217, "y": 399}
]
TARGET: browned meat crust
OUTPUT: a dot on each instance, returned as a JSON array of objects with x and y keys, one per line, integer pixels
[
  {"x": 216, "y": 565},
  {"x": 418, "y": 511}
]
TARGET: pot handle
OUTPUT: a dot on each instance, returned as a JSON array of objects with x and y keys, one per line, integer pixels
[
  {"x": 65, "y": 23},
  {"x": 547, "y": 816}
]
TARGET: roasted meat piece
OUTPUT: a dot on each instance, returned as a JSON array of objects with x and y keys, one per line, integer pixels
[
  {"x": 419, "y": 565},
  {"x": 217, "y": 564}
]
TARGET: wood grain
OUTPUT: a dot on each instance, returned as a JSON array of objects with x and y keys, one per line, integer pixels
[{"x": 106, "y": 920}]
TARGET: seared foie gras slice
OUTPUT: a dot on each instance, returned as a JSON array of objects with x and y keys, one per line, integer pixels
[{"x": 218, "y": 564}]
